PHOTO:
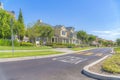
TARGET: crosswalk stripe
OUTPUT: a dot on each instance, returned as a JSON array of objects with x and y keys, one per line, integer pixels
[
  {"x": 99, "y": 54},
  {"x": 80, "y": 52},
  {"x": 70, "y": 59},
  {"x": 90, "y": 53}
]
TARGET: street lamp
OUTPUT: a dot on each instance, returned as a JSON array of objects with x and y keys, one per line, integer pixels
[{"x": 12, "y": 36}]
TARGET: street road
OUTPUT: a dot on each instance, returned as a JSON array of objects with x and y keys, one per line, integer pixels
[{"x": 67, "y": 67}]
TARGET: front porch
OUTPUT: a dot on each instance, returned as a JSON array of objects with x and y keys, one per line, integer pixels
[{"x": 65, "y": 40}]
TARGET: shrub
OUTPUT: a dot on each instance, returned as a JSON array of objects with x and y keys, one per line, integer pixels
[
  {"x": 16, "y": 43},
  {"x": 60, "y": 45},
  {"x": 49, "y": 44},
  {"x": 26, "y": 44},
  {"x": 7, "y": 42}
]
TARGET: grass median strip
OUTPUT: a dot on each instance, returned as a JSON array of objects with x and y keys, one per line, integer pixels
[
  {"x": 26, "y": 54},
  {"x": 112, "y": 64},
  {"x": 24, "y": 48}
]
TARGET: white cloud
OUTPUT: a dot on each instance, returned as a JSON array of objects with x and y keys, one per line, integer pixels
[{"x": 109, "y": 34}]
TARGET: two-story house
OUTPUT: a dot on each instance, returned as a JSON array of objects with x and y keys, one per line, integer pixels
[{"x": 65, "y": 35}]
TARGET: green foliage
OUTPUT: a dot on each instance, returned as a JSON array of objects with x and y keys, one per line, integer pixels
[
  {"x": 7, "y": 42},
  {"x": 26, "y": 54},
  {"x": 32, "y": 32},
  {"x": 16, "y": 43},
  {"x": 44, "y": 30},
  {"x": 112, "y": 64},
  {"x": 26, "y": 48},
  {"x": 39, "y": 30},
  {"x": 91, "y": 38},
  {"x": 5, "y": 24},
  {"x": 118, "y": 42},
  {"x": 20, "y": 17},
  {"x": 26, "y": 44},
  {"x": 107, "y": 43},
  {"x": 20, "y": 27},
  {"x": 83, "y": 36},
  {"x": 60, "y": 45}
]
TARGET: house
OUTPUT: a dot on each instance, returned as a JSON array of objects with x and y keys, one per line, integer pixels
[{"x": 64, "y": 34}]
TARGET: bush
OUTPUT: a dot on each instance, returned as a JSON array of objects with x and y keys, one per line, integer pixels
[
  {"x": 60, "y": 45},
  {"x": 7, "y": 42},
  {"x": 26, "y": 44},
  {"x": 16, "y": 43},
  {"x": 49, "y": 44}
]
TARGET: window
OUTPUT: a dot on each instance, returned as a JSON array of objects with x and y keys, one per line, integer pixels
[
  {"x": 71, "y": 35},
  {"x": 63, "y": 33}
]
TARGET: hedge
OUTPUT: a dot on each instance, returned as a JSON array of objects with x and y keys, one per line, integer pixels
[
  {"x": 26, "y": 44},
  {"x": 7, "y": 42},
  {"x": 60, "y": 45}
]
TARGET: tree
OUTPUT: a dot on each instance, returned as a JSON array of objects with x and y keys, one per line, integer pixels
[
  {"x": 118, "y": 41},
  {"x": 40, "y": 30},
  {"x": 32, "y": 32},
  {"x": 5, "y": 24},
  {"x": 83, "y": 36},
  {"x": 101, "y": 42},
  {"x": 20, "y": 26},
  {"x": 91, "y": 38}
]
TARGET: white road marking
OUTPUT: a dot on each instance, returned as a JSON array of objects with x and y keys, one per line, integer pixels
[
  {"x": 70, "y": 59},
  {"x": 99, "y": 54},
  {"x": 80, "y": 61}
]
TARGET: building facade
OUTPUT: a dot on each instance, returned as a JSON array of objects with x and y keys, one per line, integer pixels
[{"x": 65, "y": 35}]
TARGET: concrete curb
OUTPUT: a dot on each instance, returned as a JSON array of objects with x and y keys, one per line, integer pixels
[
  {"x": 97, "y": 75},
  {"x": 37, "y": 57}
]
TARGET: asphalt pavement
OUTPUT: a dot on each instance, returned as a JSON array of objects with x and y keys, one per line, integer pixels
[{"x": 66, "y": 67}]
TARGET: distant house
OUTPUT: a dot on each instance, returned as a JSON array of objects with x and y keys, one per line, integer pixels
[
  {"x": 65, "y": 35},
  {"x": 25, "y": 39}
]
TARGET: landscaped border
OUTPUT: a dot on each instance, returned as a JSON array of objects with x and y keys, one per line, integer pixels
[{"x": 97, "y": 75}]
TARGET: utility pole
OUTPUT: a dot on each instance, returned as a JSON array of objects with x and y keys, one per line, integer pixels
[{"x": 12, "y": 36}]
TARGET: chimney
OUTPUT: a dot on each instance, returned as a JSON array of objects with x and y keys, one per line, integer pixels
[{"x": 1, "y": 5}]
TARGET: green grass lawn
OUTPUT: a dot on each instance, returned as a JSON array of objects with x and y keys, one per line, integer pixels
[
  {"x": 24, "y": 48},
  {"x": 24, "y": 54},
  {"x": 112, "y": 64},
  {"x": 78, "y": 49}
]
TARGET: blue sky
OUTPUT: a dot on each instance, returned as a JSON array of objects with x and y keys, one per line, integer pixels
[{"x": 98, "y": 17}]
